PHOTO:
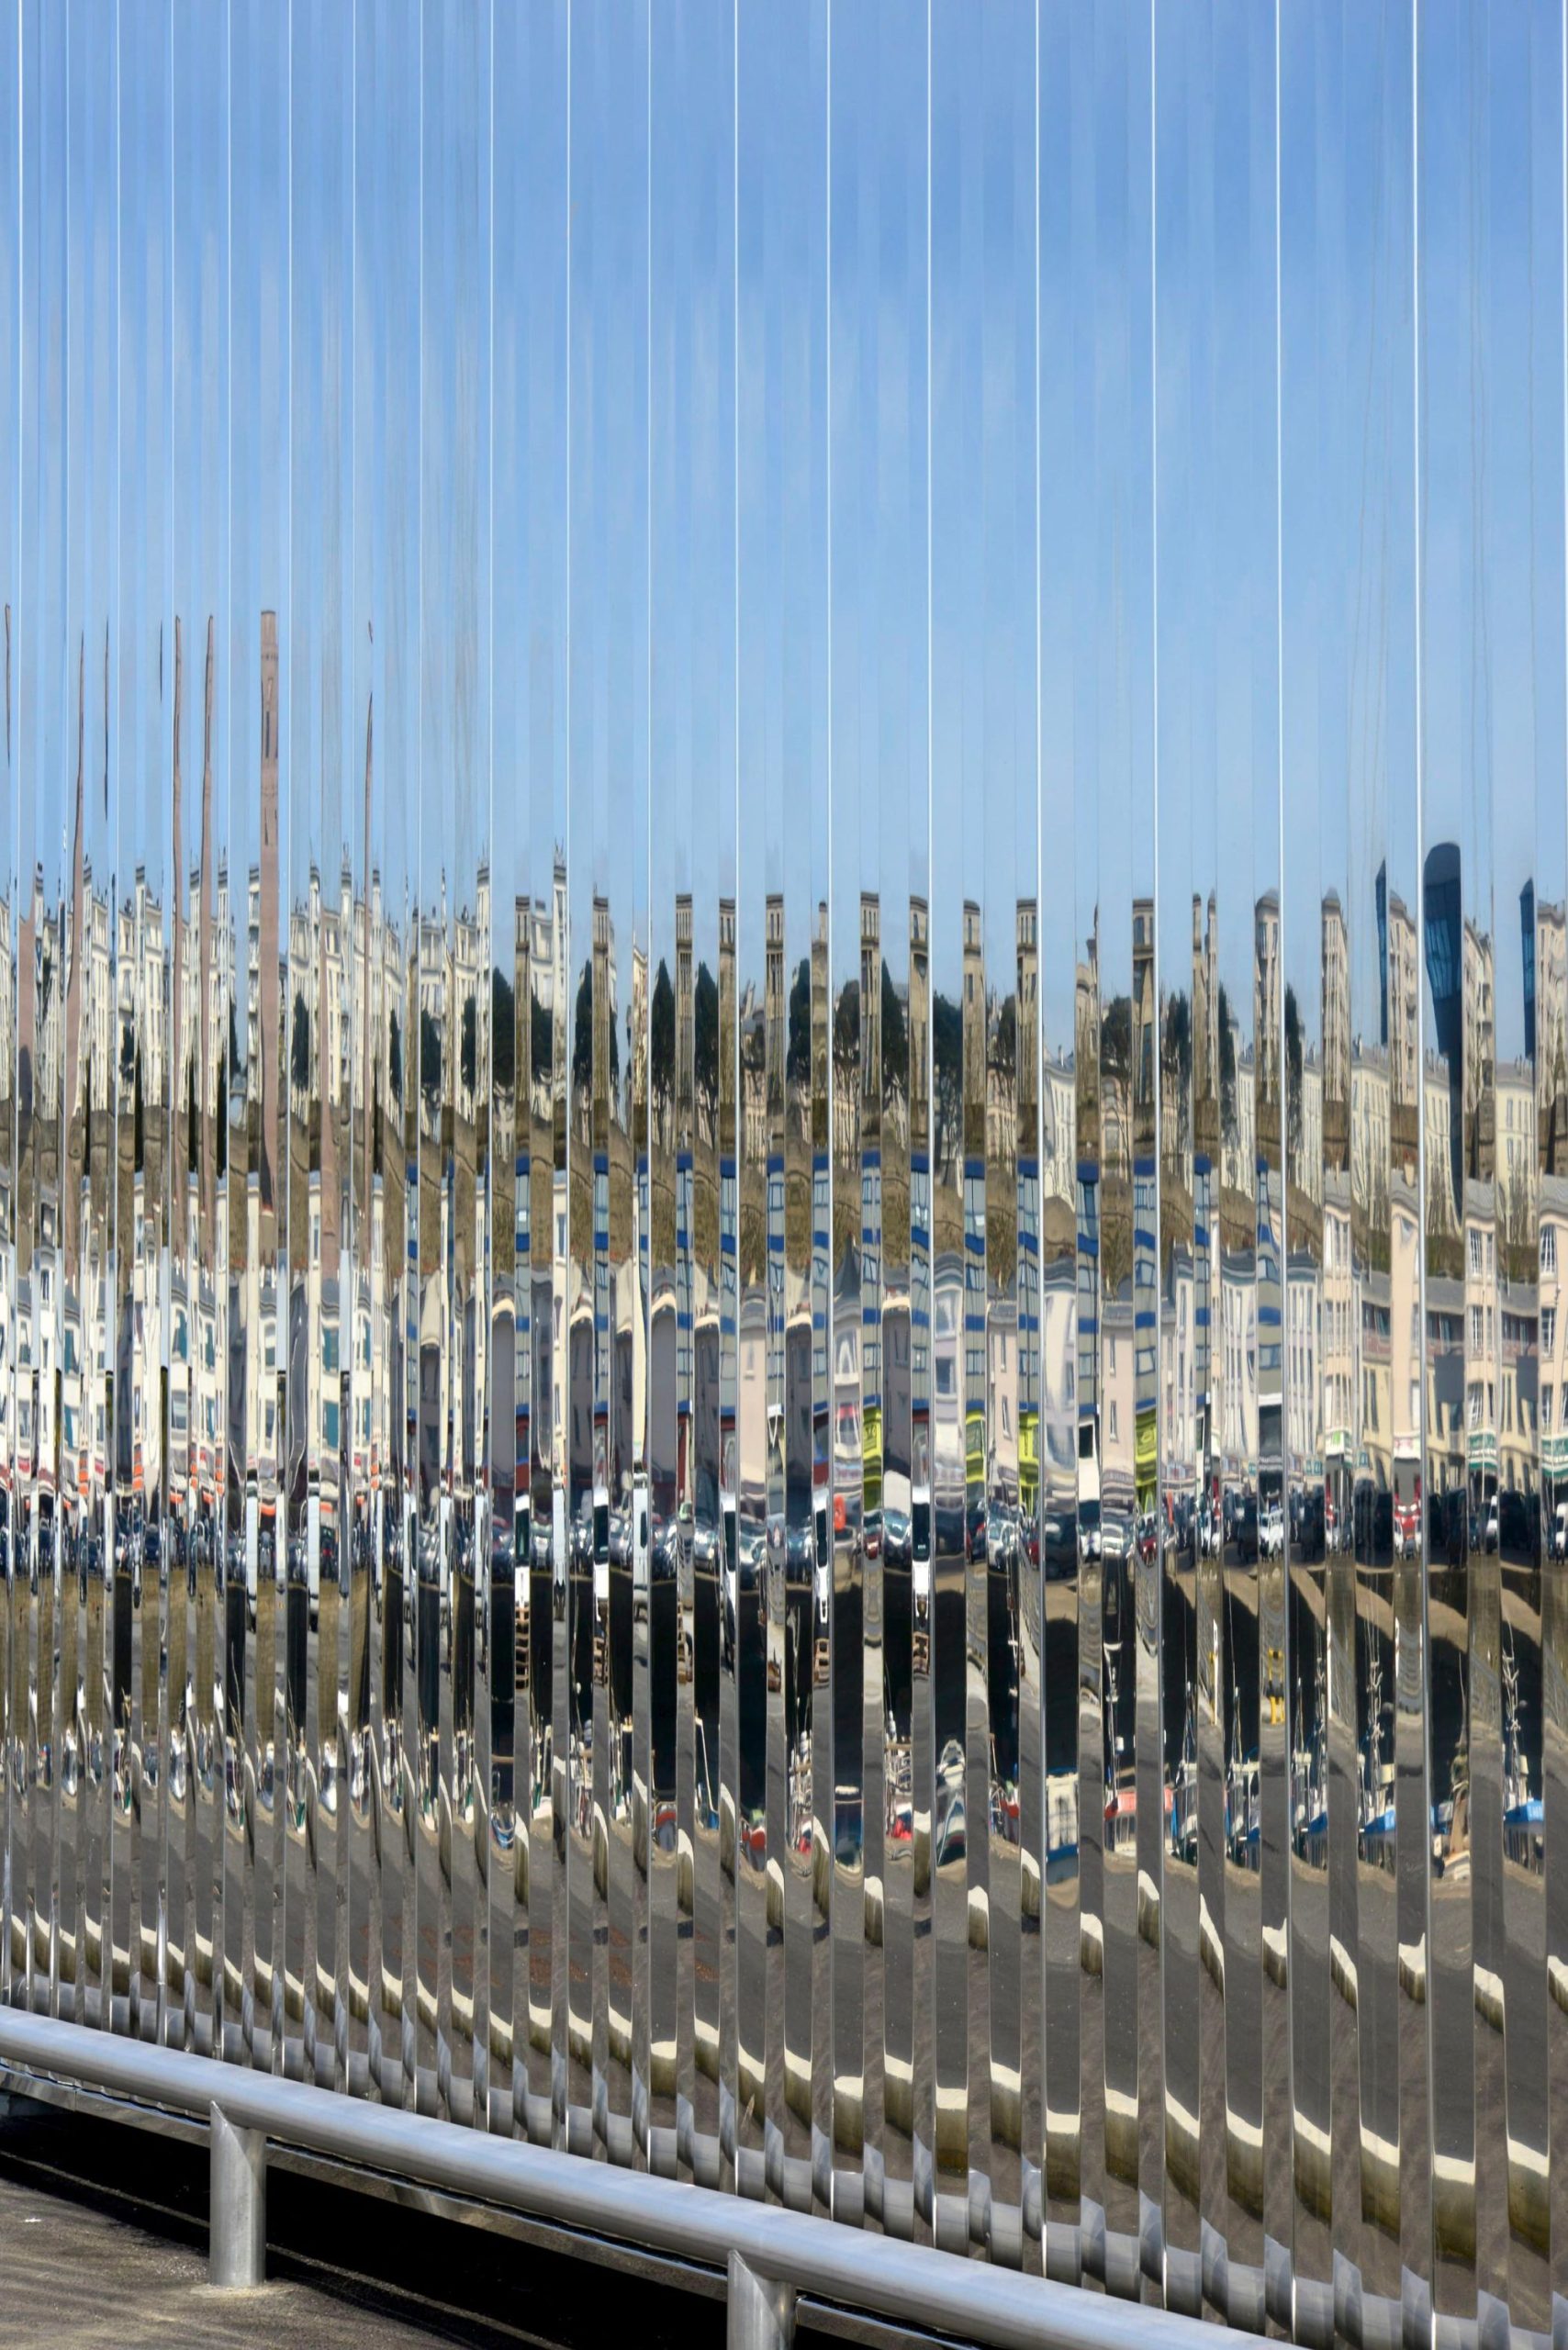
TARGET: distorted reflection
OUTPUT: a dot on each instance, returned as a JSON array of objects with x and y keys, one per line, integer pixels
[{"x": 784, "y": 1105}]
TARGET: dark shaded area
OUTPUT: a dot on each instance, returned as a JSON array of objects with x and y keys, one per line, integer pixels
[
  {"x": 105, "y": 2227},
  {"x": 370, "y": 2263}
]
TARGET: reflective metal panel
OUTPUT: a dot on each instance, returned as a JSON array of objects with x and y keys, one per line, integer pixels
[
  {"x": 784, "y": 1103},
  {"x": 14, "y": 1679}
]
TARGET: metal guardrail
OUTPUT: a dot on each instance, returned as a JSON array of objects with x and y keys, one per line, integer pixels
[{"x": 771, "y": 2253}]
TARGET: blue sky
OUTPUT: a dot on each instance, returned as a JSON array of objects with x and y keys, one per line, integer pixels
[{"x": 977, "y": 314}]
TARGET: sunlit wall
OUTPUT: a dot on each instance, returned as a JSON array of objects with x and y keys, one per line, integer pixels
[{"x": 784, "y": 1102}]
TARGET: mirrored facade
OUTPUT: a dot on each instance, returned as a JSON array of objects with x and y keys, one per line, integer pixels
[{"x": 784, "y": 1103}]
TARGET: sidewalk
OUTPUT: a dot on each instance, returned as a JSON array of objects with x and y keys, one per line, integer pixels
[{"x": 78, "y": 2278}]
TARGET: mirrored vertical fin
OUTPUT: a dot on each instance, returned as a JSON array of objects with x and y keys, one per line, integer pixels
[
  {"x": 608, "y": 754},
  {"x": 877, "y": 603},
  {"x": 854, "y": 948},
  {"x": 879, "y": 767},
  {"x": 44, "y": 703},
  {"x": 1228, "y": 1611},
  {"x": 1376, "y": 650},
  {"x": 520, "y": 728},
  {"x": 652, "y": 1643},
  {"x": 430, "y": 1019},
  {"x": 623, "y": 789},
  {"x": 678, "y": 69},
  {"x": 507, "y": 983},
  {"x": 1312, "y": 332},
  {"x": 474, "y": 608},
  {"x": 1318, "y": 1332},
  {"x": 327, "y": 783},
  {"x": 986, "y": 501},
  {"x": 403, "y": 672},
  {"x": 198, "y": 1363},
  {"x": 1520, "y": 582},
  {"x": 725, "y": 1347},
  {"x": 805, "y": 2122},
  {"x": 454, "y": 880},
  {"x": 1030, "y": 1618},
  {"x": 1255, "y": 1635},
  {"x": 441, "y": 1878},
  {"x": 577, "y": 1915},
  {"x": 1477, "y": 106},
  {"x": 922, "y": 1375},
  {"x": 178, "y": 1556},
  {"x": 146, "y": 648},
  {"x": 957, "y": 75},
  {"x": 1067, "y": 1396},
  {"x": 258, "y": 136},
  {"x": 784, "y": 611},
  {"x": 1031, "y": 1590},
  {"x": 718, "y": 1354},
  {"x": 1137, "y": 566},
  {"x": 93, "y": 433},
  {"x": 366, "y": 1351},
  {"x": 692, "y": 747},
  {"x": 364, "y": 1342},
  {"x": 763, "y": 50},
  {"x": 1546, "y": 968},
  {"x": 530, "y": 716},
  {"x": 1248, "y": 749},
  {"x": 384, "y": 744},
  {"x": 13, "y": 1714},
  {"x": 1124, "y": 1213},
  {"x": 1399, "y": 588},
  {"x": 1289, "y": 1285},
  {"x": 1459, "y": 1231},
  {"x": 1186, "y": 740},
  {"x": 60, "y": 743},
  {"x": 69, "y": 1805}
]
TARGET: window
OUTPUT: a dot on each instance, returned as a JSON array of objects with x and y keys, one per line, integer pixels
[
  {"x": 1549, "y": 1247},
  {"x": 1548, "y": 1329},
  {"x": 1546, "y": 1407}
]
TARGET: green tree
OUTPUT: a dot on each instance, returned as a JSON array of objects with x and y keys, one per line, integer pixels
[
  {"x": 1292, "y": 1062},
  {"x": 469, "y": 1050},
  {"x": 946, "y": 1076},
  {"x": 895, "y": 1032},
  {"x": 430, "y": 1062},
  {"x": 705, "y": 1021},
  {"x": 1227, "y": 1064},
  {"x": 503, "y": 1031},
  {"x": 299, "y": 1056},
  {"x": 798, "y": 1050},
  {"x": 1116, "y": 1040},
  {"x": 661, "y": 1036}
]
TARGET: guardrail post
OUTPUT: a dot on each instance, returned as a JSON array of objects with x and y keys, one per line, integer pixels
[
  {"x": 237, "y": 2243},
  {"x": 762, "y": 2312}
]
